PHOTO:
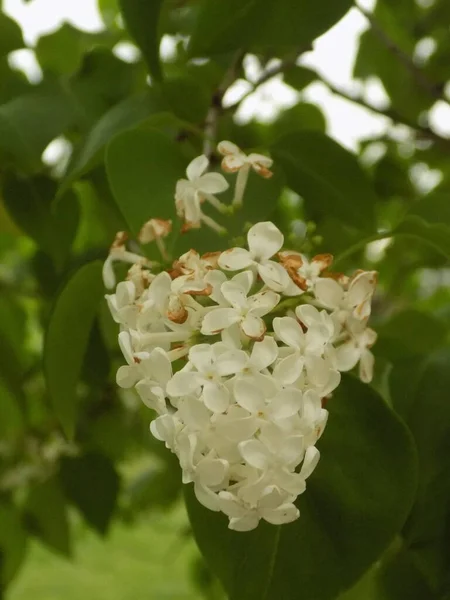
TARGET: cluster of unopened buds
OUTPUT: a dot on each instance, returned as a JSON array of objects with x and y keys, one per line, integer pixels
[{"x": 237, "y": 351}]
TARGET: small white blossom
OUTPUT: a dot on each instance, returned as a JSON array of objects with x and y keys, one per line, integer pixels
[{"x": 264, "y": 241}]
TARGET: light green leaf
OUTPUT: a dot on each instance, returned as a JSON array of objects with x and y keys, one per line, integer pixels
[
  {"x": 301, "y": 116},
  {"x": 143, "y": 167},
  {"x": 91, "y": 483},
  {"x": 327, "y": 176},
  {"x": 142, "y": 21},
  {"x": 67, "y": 338},
  {"x": 188, "y": 98},
  {"x": 12, "y": 543},
  {"x": 10, "y": 35},
  {"x": 125, "y": 115},
  {"x": 355, "y": 503},
  {"x": 52, "y": 224},
  {"x": 435, "y": 235},
  {"x": 61, "y": 52},
  {"x": 47, "y": 512},
  {"x": 280, "y": 25}
]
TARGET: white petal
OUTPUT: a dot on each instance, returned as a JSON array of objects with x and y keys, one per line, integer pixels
[
  {"x": 253, "y": 327},
  {"x": 237, "y": 425},
  {"x": 245, "y": 279},
  {"x": 159, "y": 290},
  {"x": 248, "y": 396},
  {"x": 346, "y": 356},
  {"x": 125, "y": 346},
  {"x": 262, "y": 303},
  {"x": 247, "y": 523},
  {"x": 216, "y": 397},
  {"x": 287, "y": 403},
  {"x": 161, "y": 365},
  {"x": 231, "y": 362},
  {"x": 230, "y": 505},
  {"x": 334, "y": 379},
  {"x": 235, "y": 259},
  {"x": 318, "y": 370},
  {"x": 308, "y": 315},
  {"x": 232, "y": 163},
  {"x": 127, "y": 376},
  {"x": 328, "y": 292},
  {"x": 264, "y": 240},
  {"x": 234, "y": 294},
  {"x": 218, "y": 319},
  {"x": 312, "y": 456},
  {"x": 271, "y": 498},
  {"x": 163, "y": 429},
  {"x": 215, "y": 278},
  {"x": 361, "y": 288},
  {"x": 225, "y": 148},
  {"x": 274, "y": 275},
  {"x": 254, "y": 453},
  {"x": 211, "y": 471},
  {"x": 197, "y": 167},
  {"x": 366, "y": 366},
  {"x": 260, "y": 159},
  {"x": 194, "y": 413},
  {"x": 289, "y": 369},
  {"x": 125, "y": 293},
  {"x": 292, "y": 451},
  {"x": 152, "y": 397},
  {"x": 289, "y": 332},
  {"x": 206, "y": 497},
  {"x": 201, "y": 356},
  {"x": 108, "y": 275},
  {"x": 212, "y": 183},
  {"x": 286, "y": 513},
  {"x": 183, "y": 383},
  {"x": 264, "y": 353}
]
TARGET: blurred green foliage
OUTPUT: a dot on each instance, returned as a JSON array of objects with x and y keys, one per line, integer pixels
[{"x": 72, "y": 446}]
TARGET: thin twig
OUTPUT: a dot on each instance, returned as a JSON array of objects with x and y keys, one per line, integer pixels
[
  {"x": 215, "y": 109},
  {"x": 435, "y": 90},
  {"x": 389, "y": 113},
  {"x": 286, "y": 64}
]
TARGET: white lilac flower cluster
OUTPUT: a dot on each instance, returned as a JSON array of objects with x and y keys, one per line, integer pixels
[{"x": 258, "y": 338}]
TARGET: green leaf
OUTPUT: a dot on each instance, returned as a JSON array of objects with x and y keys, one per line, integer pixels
[
  {"x": 408, "y": 334},
  {"x": 47, "y": 514},
  {"x": 299, "y": 77},
  {"x": 125, "y": 115},
  {"x": 435, "y": 235},
  {"x": 61, "y": 52},
  {"x": 283, "y": 25},
  {"x": 299, "y": 117},
  {"x": 328, "y": 177},
  {"x": 12, "y": 543},
  {"x": 349, "y": 512},
  {"x": 92, "y": 484},
  {"x": 67, "y": 338},
  {"x": 427, "y": 413},
  {"x": 30, "y": 122},
  {"x": 10, "y": 35},
  {"x": 188, "y": 98},
  {"x": 51, "y": 224},
  {"x": 143, "y": 167},
  {"x": 142, "y": 20}
]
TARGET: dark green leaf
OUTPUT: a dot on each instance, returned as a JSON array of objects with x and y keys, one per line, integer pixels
[
  {"x": 51, "y": 223},
  {"x": 301, "y": 116},
  {"x": 125, "y": 115},
  {"x": 47, "y": 513},
  {"x": 29, "y": 123},
  {"x": 67, "y": 338},
  {"x": 356, "y": 501},
  {"x": 10, "y": 35},
  {"x": 284, "y": 25},
  {"x": 299, "y": 77},
  {"x": 92, "y": 484},
  {"x": 435, "y": 235},
  {"x": 142, "y": 20},
  {"x": 12, "y": 543},
  {"x": 428, "y": 416},
  {"x": 327, "y": 176},
  {"x": 188, "y": 98},
  {"x": 409, "y": 333},
  {"x": 143, "y": 167}
]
